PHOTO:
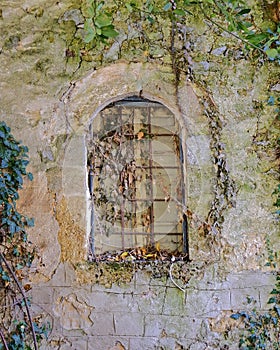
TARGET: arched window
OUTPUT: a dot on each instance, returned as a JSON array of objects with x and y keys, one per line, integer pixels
[{"x": 136, "y": 178}]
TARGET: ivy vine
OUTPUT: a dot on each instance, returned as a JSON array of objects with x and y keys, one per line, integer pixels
[
  {"x": 17, "y": 328},
  {"x": 262, "y": 329},
  {"x": 102, "y": 20}
]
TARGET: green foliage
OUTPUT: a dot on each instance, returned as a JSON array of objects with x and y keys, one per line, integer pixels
[
  {"x": 14, "y": 160},
  {"x": 98, "y": 24},
  {"x": 16, "y": 253},
  {"x": 232, "y": 16},
  {"x": 272, "y": 255},
  {"x": 275, "y": 102},
  {"x": 262, "y": 329},
  {"x": 276, "y": 192},
  {"x": 238, "y": 19},
  {"x": 19, "y": 338},
  {"x": 272, "y": 44},
  {"x": 13, "y": 237}
]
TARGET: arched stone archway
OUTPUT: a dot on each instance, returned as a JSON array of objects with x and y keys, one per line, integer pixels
[{"x": 87, "y": 97}]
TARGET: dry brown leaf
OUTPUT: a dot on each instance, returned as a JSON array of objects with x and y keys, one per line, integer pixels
[
  {"x": 157, "y": 246},
  {"x": 124, "y": 255},
  {"x": 143, "y": 251},
  {"x": 118, "y": 346},
  {"x": 27, "y": 287}
]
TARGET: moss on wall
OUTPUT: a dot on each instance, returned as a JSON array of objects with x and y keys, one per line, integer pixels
[{"x": 46, "y": 68}]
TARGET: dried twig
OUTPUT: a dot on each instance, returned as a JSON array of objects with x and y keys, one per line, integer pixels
[
  {"x": 3, "y": 340},
  {"x": 24, "y": 298},
  {"x": 229, "y": 32}
]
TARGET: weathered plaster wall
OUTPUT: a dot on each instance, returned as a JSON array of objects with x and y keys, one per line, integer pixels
[
  {"x": 49, "y": 100},
  {"x": 147, "y": 312}
]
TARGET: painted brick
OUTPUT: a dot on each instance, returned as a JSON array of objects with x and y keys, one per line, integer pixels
[
  {"x": 240, "y": 298},
  {"x": 130, "y": 324},
  {"x": 106, "y": 342},
  {"x": 143, "y": 343},
  {"x": 171, "y": 326},
  {"x": 204, "y": 302},
  {"x": 174, "y": 303},
  {"x": 117, "y": 301},
  {"x": 151, "y": 300},
  {"x": 103, "y": 324}
]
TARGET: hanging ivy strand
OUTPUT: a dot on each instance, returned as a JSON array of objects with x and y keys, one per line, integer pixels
[
  {"x": 103, "y": 23},
  {"x": 17, "y": 329}
]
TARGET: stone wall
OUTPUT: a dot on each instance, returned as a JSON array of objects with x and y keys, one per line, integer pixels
[
  {"x": 148, "y": 312},
  {"x": 49, "y": 97}
]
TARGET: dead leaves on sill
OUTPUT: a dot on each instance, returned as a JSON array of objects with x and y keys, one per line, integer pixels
[{"x": 143, "y": 254}]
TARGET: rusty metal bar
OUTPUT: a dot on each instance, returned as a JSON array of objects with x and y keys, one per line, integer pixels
[
  {"x": 151, "y": 134},
  {"x": 151, "y": 181},
  {"x": 156, "y": 167},
  {"x": 148, "y": 167},
  {"x": 123, "y": 198},
  {"x": 135, "y": 101},
  {"x": 148, "y": 200},
  {"x": 134, "y": 203},
  {"x": 90, "y": 187},
  {"x": 145, "y": 233},
  {"x": 185, "y": 227}
]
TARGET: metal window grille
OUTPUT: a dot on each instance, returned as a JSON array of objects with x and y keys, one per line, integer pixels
[{"x": 136, "y": 178}]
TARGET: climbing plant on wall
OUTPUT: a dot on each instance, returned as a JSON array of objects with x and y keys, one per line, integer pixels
[
  {"x": 157, "y": 30},
  {"x": 148, "y": 21},
  {"x": 262, "y": 329},
  {"x": 17, "y": 328}
]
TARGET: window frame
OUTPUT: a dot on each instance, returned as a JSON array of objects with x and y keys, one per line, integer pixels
[{"x": 139, "y": 101}]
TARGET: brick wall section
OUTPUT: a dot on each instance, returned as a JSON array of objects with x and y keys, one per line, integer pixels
[{"x": 146, "y": 313}]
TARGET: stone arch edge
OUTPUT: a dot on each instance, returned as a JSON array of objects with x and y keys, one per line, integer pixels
[{"x": 98, "y": 89}]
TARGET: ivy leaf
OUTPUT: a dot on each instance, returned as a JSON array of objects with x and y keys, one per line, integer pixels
[
  {"x": 272, "y": 53},
  {"x": 235, "y": 316},
  {"x": 5, "y": 277},
  {"x": 167, "y": 6},
  {"x": 256, "y": 39},
  {"x": 271, "y": 101},
  {"x": 30, "y": 222},
  {"x": 4, "y": 163},
  {"x": 12, "y": 227},
  {"x": 277, "y": 309},
  {"x": 179, "y": 12},
  {"x": 243, "y": 12},
  {"x": 151, "y": 19},
  {"x": 98, "y": 31},
  {"x": 109, "y": 32},
  {"x": 17, "y": 340},
  {"x": 99, "y": 7},
  {"x": 90, "y": 11},
  {"x": 272, "y": 300},
  {"x": 150, "y": 8},
  {"x": 102, "y": 21},
  {"x": 129, "y": 6},
  {"x": 89, "y": 36}
]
